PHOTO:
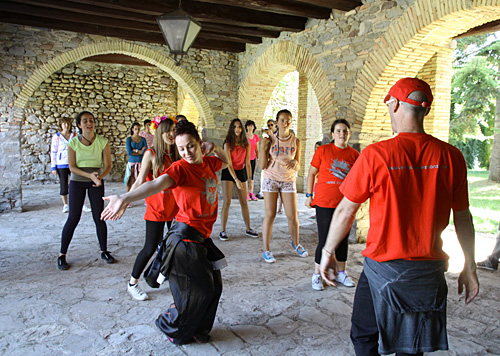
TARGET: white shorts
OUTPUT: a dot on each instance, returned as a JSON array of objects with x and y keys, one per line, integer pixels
[{"x": 276, "y": 186}]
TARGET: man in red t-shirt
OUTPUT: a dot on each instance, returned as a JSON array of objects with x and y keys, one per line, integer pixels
[{"x": 413, "y": 181}]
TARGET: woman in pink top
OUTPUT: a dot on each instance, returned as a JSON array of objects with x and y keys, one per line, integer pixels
[
  {"x": 253, "y": 139},
  {"x": 280, "y": 161},
  {"x": 237, "y": 172}
]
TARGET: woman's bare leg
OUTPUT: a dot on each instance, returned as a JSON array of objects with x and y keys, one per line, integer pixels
[
  {"x": 242, "y": 196},
  {"x": 227, "y": 190},
  {"x": 290, "y": 203},
  {"x": 270, "y": 200}
]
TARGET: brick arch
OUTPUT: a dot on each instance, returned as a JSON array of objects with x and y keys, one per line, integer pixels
[
  {"x": 149, "y": 55},
  {"x": 267, "y": 71},
  {"x": 423, "y": 31}
]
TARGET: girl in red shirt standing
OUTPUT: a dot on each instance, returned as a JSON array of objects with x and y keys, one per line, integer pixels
[
  {"x": 330, "y": 164},
  {"x": 161, "y": 207},
  {"x": 253, "y": 139},
  {"x": 192, "y": 262},
  {"x": 237, "y": 150}
]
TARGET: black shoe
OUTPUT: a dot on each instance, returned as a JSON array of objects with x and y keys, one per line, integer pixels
[
  {"x": 201, "y": 338},
  {"x": 107, "y": 256},
  {"x": 61, "y": 263},
  {"x": 488, "y": 264}
]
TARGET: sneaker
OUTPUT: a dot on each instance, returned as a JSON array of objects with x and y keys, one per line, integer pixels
[
  {"x": 253, "y": 197},
  {"x": 317, "y": 282},
  {"x": 201, "y": 338},
  {"x": 268, "y": 257},
  {"x": 259, "y": 195},
  {"x": 136, "y": 292},
  {"x": 223, "y": 236},
  {"x": 61, "y": 263},
  {"x": 344, "y": 279},
  {"x": 107, "y": 256},
  {"x": 312, "y": 216},
  {"x": 487, "y": 264},
  {"x": 300, "y": 250},
  {"x": 249, "y": 197},
  {"x": 65, "y": 208},
  {"x": 86, "y": 209},
  {"x": 251, "y": 233}
]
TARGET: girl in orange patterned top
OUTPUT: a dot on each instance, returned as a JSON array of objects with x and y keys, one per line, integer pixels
[{"x": 161, "y": 207}]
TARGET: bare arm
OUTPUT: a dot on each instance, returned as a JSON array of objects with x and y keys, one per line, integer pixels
[
  {"x": 248, "y": 166},
  {"x": 118, "y": 203},
  {"x": 466, "y": 237},
  {"x": 147, "y": 163},
  {"x": 210, "y": 147},
  {"x": 264, "y": 157},
  {"x": 311, "y": 178},
  {"x": 339, "y": 227},
  {"x": 106, "y": 159}
]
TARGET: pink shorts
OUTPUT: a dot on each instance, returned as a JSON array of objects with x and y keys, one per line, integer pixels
[{"x": 276, "y": 186}]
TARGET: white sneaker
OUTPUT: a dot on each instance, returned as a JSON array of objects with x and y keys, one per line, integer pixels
[
  {"x": 268, "y": 257},
  {"x": 65, "y": 208},
  {"x": 86, "y": 209},
  {"x": 300, "y": 250},
  {"x": 344, "y": 279},
  {"x": 317, "y": 282},
  {"x": 136, "y": 292}
]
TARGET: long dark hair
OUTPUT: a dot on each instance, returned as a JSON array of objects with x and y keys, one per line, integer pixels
[
  {"x": 78, "y": 119},
  {"x": 132, "y": 127},
  {"x": 231, "y": 138},
  {"x": 160, "y": 147},
  {"x": 184, "y": 127}
]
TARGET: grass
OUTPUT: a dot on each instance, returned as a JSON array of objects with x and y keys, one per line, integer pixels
[{"x": 484, "y": 199}]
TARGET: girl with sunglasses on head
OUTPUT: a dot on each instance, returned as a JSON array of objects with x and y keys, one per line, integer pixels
[
  {"x": 280, "y": 161},
  {"x": 161, "y": 207}
]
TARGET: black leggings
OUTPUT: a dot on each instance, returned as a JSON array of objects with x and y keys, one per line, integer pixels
[
  {"x": 154, "y": 235},
  {"x": 63, "y": 174},
  {"x": 76, "y": 198},
  {"x": 324, "y": 218}
]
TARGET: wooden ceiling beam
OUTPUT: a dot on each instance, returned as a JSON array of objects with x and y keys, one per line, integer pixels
[
  {"x": 149, "y": 37},
  {"x": 283, "y": 7},
  {"x": 228, "y": 36},
  {"x": 230, "y": 15},
  {"x": 488, "y": 27},
  {"x": 343, "y": 5},
  {"x": 55, "y": 14}
]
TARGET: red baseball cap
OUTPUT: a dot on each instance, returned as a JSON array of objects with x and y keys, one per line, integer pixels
[{"x": 405, "y": 87}]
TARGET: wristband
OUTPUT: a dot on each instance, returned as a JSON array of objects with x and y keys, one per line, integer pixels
[{"x": 308, "y": 195}]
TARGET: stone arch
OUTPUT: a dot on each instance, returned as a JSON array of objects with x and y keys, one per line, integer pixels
[
  {"x": 424, "y": 31},
  {"x": 149, "y": 55},
  {"x": 266, "y": 72}
]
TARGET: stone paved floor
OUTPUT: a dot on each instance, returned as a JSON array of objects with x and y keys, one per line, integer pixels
[{"x": 265, "y": 309}]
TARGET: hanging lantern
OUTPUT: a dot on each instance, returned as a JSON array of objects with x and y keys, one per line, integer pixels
[{"x": 179, "y": 30}]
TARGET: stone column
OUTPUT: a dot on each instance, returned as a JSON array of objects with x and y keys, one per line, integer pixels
[
  {"x": 437, "y": 72},
  {"x": 302, "y": 130}
]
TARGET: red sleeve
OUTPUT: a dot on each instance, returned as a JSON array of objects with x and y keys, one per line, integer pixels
[
  {"x": 214, "y": 162},
  {"x": 316, "y": 161},
  {"x": 358, "y": 183},
  {"x": 176, "y": 172},
  {"x": 258, "y": 139},
  {"x": 460, "y": 187}
]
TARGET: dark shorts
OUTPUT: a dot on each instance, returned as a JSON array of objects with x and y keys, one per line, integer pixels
[
  {"x": 253, "y": 164},
  {"x": 240, "y": 173},
  {"x": 63, "y": 174}
]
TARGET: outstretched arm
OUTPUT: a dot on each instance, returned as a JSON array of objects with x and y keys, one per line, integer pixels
[
  {"x": 118, "y": 203},
  {"x": 466, "y": 237}
]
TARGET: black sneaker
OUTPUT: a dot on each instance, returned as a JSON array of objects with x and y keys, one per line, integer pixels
[
  {"x": 251, "y": 233},
  {"x": 223, "y": 236},
  {"x": 107, "y": 256},
  {"x": 488, "y": 264},
  {"x": 61, "y": 263}
]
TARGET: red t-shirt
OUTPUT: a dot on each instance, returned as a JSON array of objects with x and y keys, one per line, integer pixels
[
  {"x": 195, "y": 192},
  {"x": 413, "y": 181},
  {"x": 333, "y": 164},
  {"x": 253, "y": 146},
  {"x": 160, "y": 206},
  {"x": 238, "y": 157}
]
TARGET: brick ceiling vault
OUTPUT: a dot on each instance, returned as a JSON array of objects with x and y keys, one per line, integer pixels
[
  {"x": 266, "y": 72},
  {"x": 426, "y": 28},
  {"x": 184, "y": 79}
]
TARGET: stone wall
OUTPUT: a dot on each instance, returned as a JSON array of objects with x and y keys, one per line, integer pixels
[
  {"x": 28, "y": 56},
  {"x": 117, "y": 95}
]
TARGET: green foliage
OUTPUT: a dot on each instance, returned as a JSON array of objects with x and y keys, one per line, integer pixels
[
  {"x": 484, "y": 202},
  {"x": 474, "y": 91},
  {"x": 284, "y": 96}
]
